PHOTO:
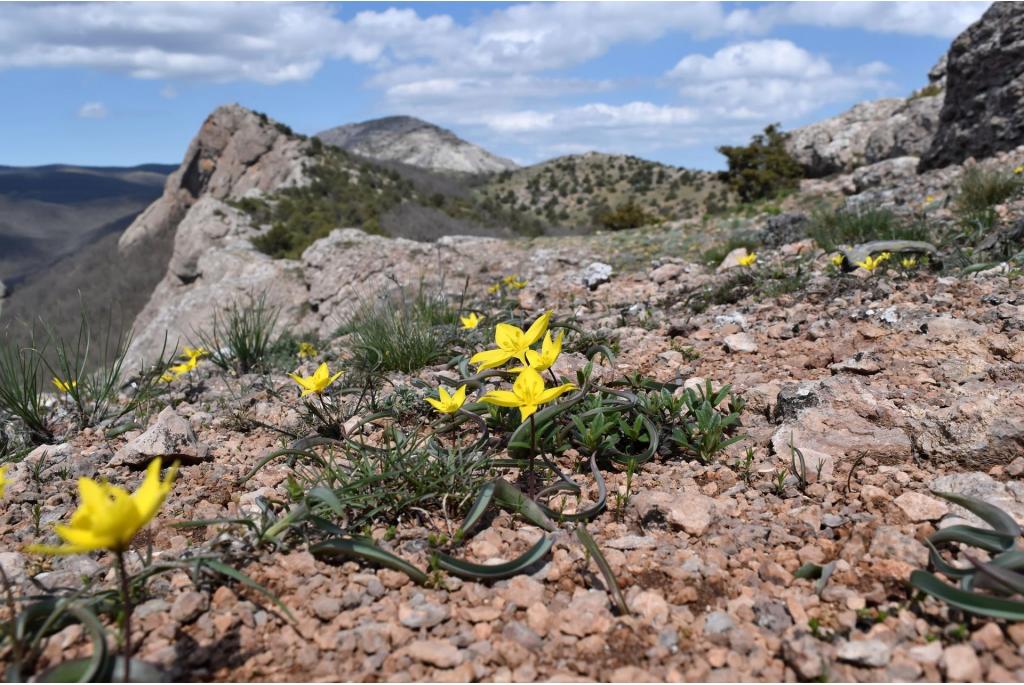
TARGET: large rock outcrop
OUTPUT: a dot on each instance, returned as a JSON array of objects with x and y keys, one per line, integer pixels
[
  {"x": 237, "y": 153},
  {"x": 868, "y": 133},
  {"x": 982, "y": 112}
]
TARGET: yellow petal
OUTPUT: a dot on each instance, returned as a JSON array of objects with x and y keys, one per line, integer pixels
[
  {"x": 538, "y": 328},
  {"x": 526, "y": 410},
  {"x": 529, "y": 386},
  {"x": 501, "y": 398},
  {"x": 490, "y": 359},
  {"x": 436, "y": 404},
  {"x": 459, "y": 398},
  {"x": 507, "y": 336},
  {"x": 553, "y": 393}
]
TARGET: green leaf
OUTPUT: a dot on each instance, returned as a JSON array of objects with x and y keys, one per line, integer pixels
[
  {"x": 989, "y": 513},
  {"x": 344, "y": 547},
  {"x": 820, "y": 573},
  {"x": 96, "y": 667},
  {"x": 231, "y": 572},
  {"x": 327, "y": 496},
  {"x": 466, "y": 569},
  {"x": 981, "y": 605},
  {"x": 609, "y": 578},
  {"x": 988, "y": 540},
  {"x": 515, "y": 501},
  {"x": 483, "y": 500}
]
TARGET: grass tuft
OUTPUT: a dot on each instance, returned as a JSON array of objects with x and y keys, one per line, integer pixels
[
  {"x": 239, "y": 339},
  {"x": 401, "y": 331},
  {"x": 830, "y": 229}
]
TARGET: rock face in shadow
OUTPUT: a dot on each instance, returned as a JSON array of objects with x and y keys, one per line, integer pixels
[{"x": 982, "y": 112}]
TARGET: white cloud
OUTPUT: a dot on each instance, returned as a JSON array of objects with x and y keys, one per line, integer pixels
[
  {"x": 760, "y": 58},
  {"x": 168, "y": 92},
  {"x": 771, "y": 80},
  {"x": 92, "y": 110},
  {"x": 940, "y": 19}
]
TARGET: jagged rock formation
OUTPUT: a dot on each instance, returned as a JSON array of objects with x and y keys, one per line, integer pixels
[
  {"x": 236, "y": 153},
  {"x": 869, "y": 132},
  {"x": 416, "y": 142},
  {"x": 982, "y": 112}
]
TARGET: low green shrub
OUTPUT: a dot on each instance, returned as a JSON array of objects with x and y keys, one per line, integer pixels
[{"x": 762, "y": 169}]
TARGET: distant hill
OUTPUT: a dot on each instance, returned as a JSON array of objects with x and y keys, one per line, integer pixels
[
  {"x": 414, "y": 142},
  {"x": 575, "y": 190},
  {"x": 50, "y": 212}
]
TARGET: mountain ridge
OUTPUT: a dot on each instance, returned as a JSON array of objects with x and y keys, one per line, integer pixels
[{"x": 416, "y": 142}]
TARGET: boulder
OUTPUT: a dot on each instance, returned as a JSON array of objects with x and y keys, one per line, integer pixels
[{"x": 981, "y": 113}]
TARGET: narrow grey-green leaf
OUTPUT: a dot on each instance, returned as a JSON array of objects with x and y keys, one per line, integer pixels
[
  {"x": 467, "y": 569},
  {"x": 232, "y": 572},
  {"x": 342, "y": 547},
  {"x": 510, "y": 496},
  {"x": 483, "y": 500},
  {"x": 606, "y": 570},
  {"x": 989, "y": 513},
  {"x": 988, "y": 540},
  {"x": 981, "y": 605}
]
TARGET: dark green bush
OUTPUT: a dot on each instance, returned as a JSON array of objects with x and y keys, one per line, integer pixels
[
  {"x": 763, "y": 168},
  {"x": 627, "y": 215}
]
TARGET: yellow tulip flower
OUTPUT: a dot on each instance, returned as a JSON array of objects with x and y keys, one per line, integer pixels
[
  {"x": 1019, "y": 169},
  {"x": 837, "y": 260},
  {"x": 545, "y": 359},
  {"x": 448, "y": 404},
  {"x": 494, "y": 289},
  {"x": 184, "y": 367},
  {"x": 908, "y": 262},
  {"x": 748, "y": 260},
  {"x": 512, "y": 342},
  {"x": 3, "y": 478},
  {"x": 528, "y": 393},
  {"x": 471, "y": 321},
  {"x": 306, "y": 350},
  {"x": 65, "y": 386},
  {"x": 871, "y": 263},
  {"x": 316, "y": 383},
  {"x": 194, "y": 352},
  {"x": 108, "y": 517}
]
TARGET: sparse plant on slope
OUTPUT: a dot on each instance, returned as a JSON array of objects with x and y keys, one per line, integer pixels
[
  {"x": 21, "y": 372},
  {"x": 401, "y": 331},
  {"x": 832, "y": 228},
  {"x": 627, "y": 215},
  {"x": 980, "y": 191},
  {"x": 239, "y": 339}
]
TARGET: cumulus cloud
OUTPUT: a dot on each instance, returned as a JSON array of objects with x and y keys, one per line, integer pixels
[
  {"x": 92, "y": 110},
  {"x": 770, "y": 79}
]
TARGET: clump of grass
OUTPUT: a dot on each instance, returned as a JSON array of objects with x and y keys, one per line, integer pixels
[
  {"x": 21, "y": 372},
  {"x": 830, "y": 229},
  {"x": 401, "y": 331},
  {"x": 239, "y": 339},
  {"x": 95, "y": 393},
  {"x": 980, "y": 192}
]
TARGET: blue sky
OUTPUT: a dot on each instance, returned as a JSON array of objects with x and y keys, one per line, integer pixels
[{"x": 121, "y": 84}]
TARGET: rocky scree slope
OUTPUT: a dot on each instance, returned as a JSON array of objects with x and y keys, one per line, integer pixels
[{"x": 415, "y": 142}]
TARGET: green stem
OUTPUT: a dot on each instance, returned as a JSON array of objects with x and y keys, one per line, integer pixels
[{"x": 126, "y": 607}]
